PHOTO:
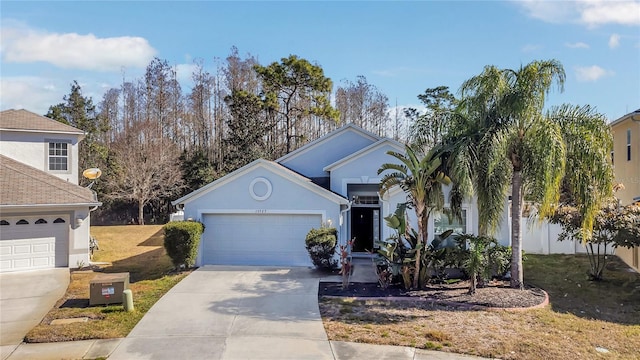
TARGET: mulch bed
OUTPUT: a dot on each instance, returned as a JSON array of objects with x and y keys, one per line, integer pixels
[{"x": 497, "y": 294}]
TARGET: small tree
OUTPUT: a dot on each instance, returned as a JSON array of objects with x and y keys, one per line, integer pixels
[
  {"x": 181, "y": 240},
  {"x": 483, "y": 259},
  {"x": 399, "y": 253},
  {"x": 422, "y": 180},
  {"x": 321, "y": 245},
  {"x": 613, "y": 225}
]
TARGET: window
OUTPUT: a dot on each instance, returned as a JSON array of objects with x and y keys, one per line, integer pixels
[
  {"x": 58, "y": 221},
  {"x": 365, "y": 200},
  {"x": 4, "y": 222},
  {"x": 41, "y": 221},
  {"x": 443, "y": 223},
  {"x": 59, "y": 156},
  {"x": 628, "y": 144},
  {"x": 22, "y": 222}
]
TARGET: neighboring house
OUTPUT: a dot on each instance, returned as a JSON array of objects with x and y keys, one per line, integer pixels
[
  {"x": 44, "y": 213},
  {"x": 542, "y": 238},
  {"x": 261, "y": 213},
  {"x": 626, "y": 164}
]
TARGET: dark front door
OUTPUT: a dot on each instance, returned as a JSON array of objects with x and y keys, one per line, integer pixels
[{"x": 362, "y": 228}]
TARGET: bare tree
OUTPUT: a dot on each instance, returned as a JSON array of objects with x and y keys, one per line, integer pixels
[
  {"x": 363, "y": 104},
  {"x": 146, "y": 168},
  {"x": 199, "y": 109}
]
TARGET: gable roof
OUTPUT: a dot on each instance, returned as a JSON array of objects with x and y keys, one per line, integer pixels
[
  {"x": 269, "y": 165},
  {"x": 315, "y": 143},
  {"x": 369, "y": 149},
  {"x": 24, "y": 186},
  {"x": 27, "y": 121},
  {"x": 634, "y": 115}
]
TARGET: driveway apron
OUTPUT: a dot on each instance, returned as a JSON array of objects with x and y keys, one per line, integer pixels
[
  {"x": 25, "y": 298},
  {"x": 232, "y": 312}
]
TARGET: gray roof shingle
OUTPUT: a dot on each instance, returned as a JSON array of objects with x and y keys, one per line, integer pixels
[
  {"x": 23, "y": 185},
  {"x": 24, "y": 120}
]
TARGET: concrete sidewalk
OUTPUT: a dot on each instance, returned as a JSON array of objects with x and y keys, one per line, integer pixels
[{"x": 97, "y": 349}]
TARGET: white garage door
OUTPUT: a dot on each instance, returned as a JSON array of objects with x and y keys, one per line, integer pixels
[
  {"x": 33, "y": 242},
  {"x": 257, "y": 239}
]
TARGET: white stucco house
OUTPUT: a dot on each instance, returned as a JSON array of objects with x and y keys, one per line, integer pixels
[
  {"x": 44, "y": 213},
  {"x": 261, "y": 213}
]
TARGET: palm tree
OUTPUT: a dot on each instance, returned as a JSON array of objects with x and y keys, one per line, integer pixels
[
  {"x": 588, "y": 141},
  {"x": 422, "y": 180},
  {"x": 511, "y": 143}
]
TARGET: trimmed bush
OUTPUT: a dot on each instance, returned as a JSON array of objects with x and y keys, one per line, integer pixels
[
  {"x": 181, "y": 240},
  {"x": 321, "y": 245}
]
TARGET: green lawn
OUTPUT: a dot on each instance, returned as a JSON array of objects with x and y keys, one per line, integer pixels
[{"x": 135, "y": 249}]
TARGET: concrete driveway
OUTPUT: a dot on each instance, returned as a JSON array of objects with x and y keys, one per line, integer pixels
[
  {"x": 225, "y": 312},
  {"x": 25, "y": 298}
]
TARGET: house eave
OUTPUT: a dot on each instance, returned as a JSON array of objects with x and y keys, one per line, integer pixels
[
  {"x": 320, "y": 140},
  {"x": 634, "y": 116},
  {"x": 271, "y": 166},
  {"x": 223, "y": 180},
  {"x": 363, "y": 152},
  {"x": 36, "y": 206},
  {"x": 80, "y": 134}
]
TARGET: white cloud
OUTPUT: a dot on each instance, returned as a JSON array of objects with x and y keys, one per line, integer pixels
[
  {"x": 531, "y": 48},
  {"x": 591, "y": 73},
  {"x": 614, "y": 41},
  {"x": 549, "y": 11},
  {"x": 184, "y": 72},
  {"x": 386, "y": 72},
  {"x": 29, "y": 92},
  {"x": 21, "y": 44},
  {"x": 588, "y": 12},
  {"x": 611, "y": 12},
  {"x": 577, "y": 45}
]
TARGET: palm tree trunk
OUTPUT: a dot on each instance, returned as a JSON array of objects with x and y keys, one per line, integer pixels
[
  {"x": 422, "y": 237},
  {"x": 516, "y": 232},
  {"x": 416, "y": 273}
]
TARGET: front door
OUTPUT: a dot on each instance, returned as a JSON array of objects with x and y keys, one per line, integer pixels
[{"x": 365, "y": 228}]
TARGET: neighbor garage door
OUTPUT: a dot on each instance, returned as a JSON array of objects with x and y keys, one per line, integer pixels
[
  {"x": 33, "y": 242},
  {"x": 257, "y": 239}
]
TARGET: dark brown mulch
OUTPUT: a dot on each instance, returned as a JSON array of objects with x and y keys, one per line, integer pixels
[{"x": 497, "y": 294}]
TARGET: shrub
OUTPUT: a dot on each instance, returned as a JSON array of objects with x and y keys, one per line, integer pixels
[
  {"x": 321, "y": 245},
  {"x": 181, "y": 240}
]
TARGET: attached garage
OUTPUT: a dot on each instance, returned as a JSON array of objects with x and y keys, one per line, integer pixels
[
  {"x": 257, "y": 239},
  {"x": 33, "y": 242},
  {"x": 260, "y": 215}
]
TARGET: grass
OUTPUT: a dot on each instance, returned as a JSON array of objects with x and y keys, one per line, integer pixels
[
  {"x": 135, "y": 249},
  {"x": 582, "y": 315}
]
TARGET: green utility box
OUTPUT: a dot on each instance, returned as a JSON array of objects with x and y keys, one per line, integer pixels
[{"x": 107, "y": 288}]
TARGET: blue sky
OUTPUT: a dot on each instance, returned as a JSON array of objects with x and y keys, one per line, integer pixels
[{"x": 401, "y": 47}]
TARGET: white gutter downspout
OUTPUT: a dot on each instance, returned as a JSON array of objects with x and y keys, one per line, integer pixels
[{"x": 343, "y": 223}]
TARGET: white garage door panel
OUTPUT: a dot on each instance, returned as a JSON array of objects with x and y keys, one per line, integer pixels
[
  {"x": 28, "y": 253},
  {"x": 257, "y": 239},
  {"x": 33, "y": 246}
]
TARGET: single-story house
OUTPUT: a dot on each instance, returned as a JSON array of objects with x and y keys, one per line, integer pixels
[
  {"x": 261, "y": 213},
  {"x": 44, "y": 213}
]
